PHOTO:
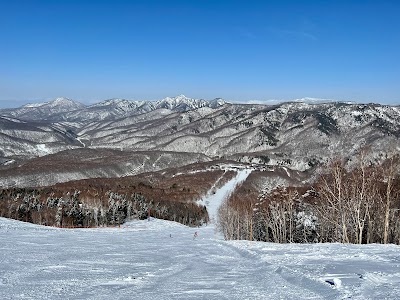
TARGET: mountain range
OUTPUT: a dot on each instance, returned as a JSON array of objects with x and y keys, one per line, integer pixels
[
  {"x": 120, "y": 137},
  {"x": 69, "y": 110}
]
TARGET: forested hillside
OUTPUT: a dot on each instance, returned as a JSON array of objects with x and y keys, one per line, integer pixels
[{"x": 358, "y": 205}]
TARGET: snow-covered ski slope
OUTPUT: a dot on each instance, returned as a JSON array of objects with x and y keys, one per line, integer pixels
[
  {"x": 161, "y": 260},
  {"x": 215, "y": 196}
]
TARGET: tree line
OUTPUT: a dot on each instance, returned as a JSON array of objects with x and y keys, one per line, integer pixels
[
  {"x": 359, "y": 205},
  {"x": 42, "y": 206}
]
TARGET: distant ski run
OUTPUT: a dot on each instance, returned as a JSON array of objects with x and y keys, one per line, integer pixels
[{"x": 214, "y": 198}]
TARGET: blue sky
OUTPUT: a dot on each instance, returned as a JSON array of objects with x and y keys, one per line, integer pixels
[{"x": 237, "y": 50}]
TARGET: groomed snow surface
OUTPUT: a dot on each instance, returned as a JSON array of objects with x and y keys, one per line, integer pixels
[
  {"x": 162, "y": 260},
  {"x": 159, "y": 259}
]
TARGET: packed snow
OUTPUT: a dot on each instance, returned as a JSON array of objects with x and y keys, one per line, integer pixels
[
  {"x": 164, "y": 260},
  {"x": 157, "y": 259}
]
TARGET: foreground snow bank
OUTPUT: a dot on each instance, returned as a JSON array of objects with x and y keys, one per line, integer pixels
[
  {"x": 159, "y": 259},
  {"x": 355, "y": 271}
]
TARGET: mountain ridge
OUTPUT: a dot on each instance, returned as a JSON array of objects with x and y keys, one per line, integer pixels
[
  {"x": 294, "y": 135},
  {"x": 69, "y": 110}
]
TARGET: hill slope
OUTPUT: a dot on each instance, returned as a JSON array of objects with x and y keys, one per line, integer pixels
[
  {"x": 296, "y": 135},
  {"x": 160, "y": 259}
]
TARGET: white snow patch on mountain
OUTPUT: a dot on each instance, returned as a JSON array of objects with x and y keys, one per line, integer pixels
[
  {"x": 12, "y": 119},
  {"x": 9, "y": 162},
  {"x": 33, "y": 105},
  {"x": 42, "y": 148}
]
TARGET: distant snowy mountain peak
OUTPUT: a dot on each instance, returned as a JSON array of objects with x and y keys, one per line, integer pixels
[
  {"x": 45, "y": 110},
  {"x": 183, "y": 103},
  {"x": 115, "y": 102},
  {"x": 62, "y": 100},
  {"x": 66, "y": 109},
  {"x": 65, "y": 102},
  {"x": 182, "y": 97},
  {"x": 174, "y": 102},
  {"x": 179, "y": 103},
  {"x": 122, "y": 107},
  {"x": 58, "y": 102},
  {"x": 215, "y": 103}
]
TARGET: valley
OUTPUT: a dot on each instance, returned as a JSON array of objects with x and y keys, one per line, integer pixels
[{"x": 67, "y": 164}]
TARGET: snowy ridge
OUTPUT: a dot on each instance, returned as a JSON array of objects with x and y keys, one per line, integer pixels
[
  {"x": 63, "y": 102},
  {"x": 33, "y": 105},
  {"x": 178, "y": 103},
  {"x": 45, "y": 110},
  {"x": 296, "y": 135},
  {"x": 66, "y": 109}
]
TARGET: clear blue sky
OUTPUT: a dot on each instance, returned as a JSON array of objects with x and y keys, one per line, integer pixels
[{"x": 237, "y": 50}]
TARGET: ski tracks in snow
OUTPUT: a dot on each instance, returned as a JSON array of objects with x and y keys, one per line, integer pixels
[{"x": 161, "y": 260}]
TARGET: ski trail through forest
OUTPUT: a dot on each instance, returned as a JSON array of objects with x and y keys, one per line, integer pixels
[{"x": 214, "y": 197}]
